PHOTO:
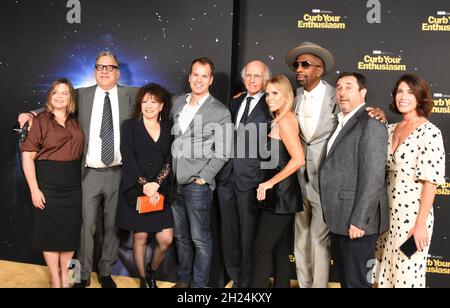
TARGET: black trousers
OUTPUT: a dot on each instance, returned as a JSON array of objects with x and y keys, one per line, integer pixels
[
  {"x": 239, "y": 217},
  {"x": 272, "y": 250},
  {"x": 352, "y": 259}
]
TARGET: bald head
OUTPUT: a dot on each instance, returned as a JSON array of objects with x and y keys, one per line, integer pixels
[{"x": 255, "y": 76}]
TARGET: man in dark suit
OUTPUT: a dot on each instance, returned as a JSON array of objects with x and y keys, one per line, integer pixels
[
  {"x": 352, "y": 183},
  {"x": 101, "y": 110},
  {"x": 239, "y": 179}
]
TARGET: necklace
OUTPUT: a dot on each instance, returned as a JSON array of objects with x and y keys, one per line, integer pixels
[{"x": 406, "y": 128}]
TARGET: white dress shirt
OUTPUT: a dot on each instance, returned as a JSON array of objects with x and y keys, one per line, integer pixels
[
  {"x": 189, "y": 111},
  {"x": 253, "y": 103},
  {"x": 342, "y": 120},
  {"x": 310, "y": 109},
  {"x": 94, "y": 151}
]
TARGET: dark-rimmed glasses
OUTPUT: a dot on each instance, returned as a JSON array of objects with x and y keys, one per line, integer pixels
[{"x": 109, "y": 68}]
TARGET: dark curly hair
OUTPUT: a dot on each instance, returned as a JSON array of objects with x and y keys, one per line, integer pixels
[
  {"x": 421, "y": 91},
  {"x": 161, "y": 94}
]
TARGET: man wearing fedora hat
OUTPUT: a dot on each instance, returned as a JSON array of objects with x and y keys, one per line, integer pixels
[{"x": 316, "y": 111}]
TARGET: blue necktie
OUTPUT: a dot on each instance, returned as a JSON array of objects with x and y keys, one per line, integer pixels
[{"x": 107, "y": 133}]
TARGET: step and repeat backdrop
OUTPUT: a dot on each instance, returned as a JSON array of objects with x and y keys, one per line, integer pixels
[
  {"x": 43, "y": 40},
  {"x": 380, "y": 39},
  {"x": 156, "y": 42}
]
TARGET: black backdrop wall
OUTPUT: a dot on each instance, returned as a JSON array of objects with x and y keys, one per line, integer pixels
[
  {"x": 409, "y": 38},
  {"x": 157, "y": 40}
]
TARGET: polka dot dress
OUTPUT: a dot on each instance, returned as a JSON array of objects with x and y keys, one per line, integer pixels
[{"x": 421, "y": 157}]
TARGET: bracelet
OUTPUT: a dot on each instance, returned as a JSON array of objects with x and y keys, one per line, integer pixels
[
  {"x": 29, "y": 112},
  {"x": 142, "y": 181}
]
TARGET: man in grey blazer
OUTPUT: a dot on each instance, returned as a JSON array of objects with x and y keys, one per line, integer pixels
[
  {"x": 202, "y": 145},
  {"x": 352, "y": 183},
  {"x": 316, "y": 111},
  {"x": 101, "y": 111}
]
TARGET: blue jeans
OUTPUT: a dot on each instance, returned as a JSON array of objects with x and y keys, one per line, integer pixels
[{"x": 192, "y": 216}]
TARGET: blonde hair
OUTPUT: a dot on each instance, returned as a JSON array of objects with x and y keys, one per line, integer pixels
[
  {"x": 72, "y": 107},
  {"x": 284, "y": 86}
]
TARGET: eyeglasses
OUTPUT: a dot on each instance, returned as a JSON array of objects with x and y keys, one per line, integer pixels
[
  {"x": 109, "y": 68},
  {"x": 304, "y": 64}
]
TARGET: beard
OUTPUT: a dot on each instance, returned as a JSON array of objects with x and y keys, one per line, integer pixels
[{"x": 302, "y": 83}]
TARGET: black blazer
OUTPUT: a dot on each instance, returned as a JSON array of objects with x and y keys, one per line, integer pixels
[
  {"x": 245, "y": 173},
  {"x": 142, "y": 156}
]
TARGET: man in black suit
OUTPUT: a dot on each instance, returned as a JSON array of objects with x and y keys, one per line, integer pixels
[
  {"x": 239, "y": 179},
  {"x": 352, "y": 183}
]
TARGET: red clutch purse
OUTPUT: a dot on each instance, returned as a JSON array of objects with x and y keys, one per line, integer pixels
[{"x": 143, "y": 205}]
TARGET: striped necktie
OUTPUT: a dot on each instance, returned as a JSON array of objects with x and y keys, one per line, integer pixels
[{"x": 107, "y": 133}]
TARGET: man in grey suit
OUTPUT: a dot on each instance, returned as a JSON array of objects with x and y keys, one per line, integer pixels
[
  {"x": 316, "y": 111},
  {"x": 352, "y": 183},
  {"x": 201, "y": 148},
  {"x": 101, "y": 111}
]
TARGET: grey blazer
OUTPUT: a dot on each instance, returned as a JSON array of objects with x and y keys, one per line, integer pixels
[
  {"x": 202, "y": 150},
  {"x": 85, "y": 101},
  {"x": 353, "y": 178},
  {"x": 308, "y": 175}
]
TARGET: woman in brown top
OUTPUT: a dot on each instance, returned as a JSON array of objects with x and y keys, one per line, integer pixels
[{"x": 51, "y": 162}]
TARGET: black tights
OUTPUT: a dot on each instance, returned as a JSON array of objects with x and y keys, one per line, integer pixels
[{"x": 140, "y": 239}]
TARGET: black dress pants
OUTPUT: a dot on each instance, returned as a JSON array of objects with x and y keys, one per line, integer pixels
[
  {"x": 239, "y": 217},
  {"x": 272, "y": 250},
  {"x": 352, "y": 259}
]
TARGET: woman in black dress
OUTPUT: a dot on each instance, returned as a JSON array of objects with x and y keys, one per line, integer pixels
[
  {"x": 145, "y": 145},
  {"x": 280, "y": 197},
  {"x": 51, "y": 157}
]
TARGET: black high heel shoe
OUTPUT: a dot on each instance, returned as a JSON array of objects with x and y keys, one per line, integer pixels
[
  {"x": 143, "y": 283},
  {"x": 151, "y": 281}
]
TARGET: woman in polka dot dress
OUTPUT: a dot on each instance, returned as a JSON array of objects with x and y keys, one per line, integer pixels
[{"x": 415, "y": 166}]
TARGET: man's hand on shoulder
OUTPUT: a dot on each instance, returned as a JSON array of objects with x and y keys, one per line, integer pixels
[
  {"x": 239, "y": 95},
  {"x": 26, "y": 117},
  {"x": 377, "y": 113}
]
